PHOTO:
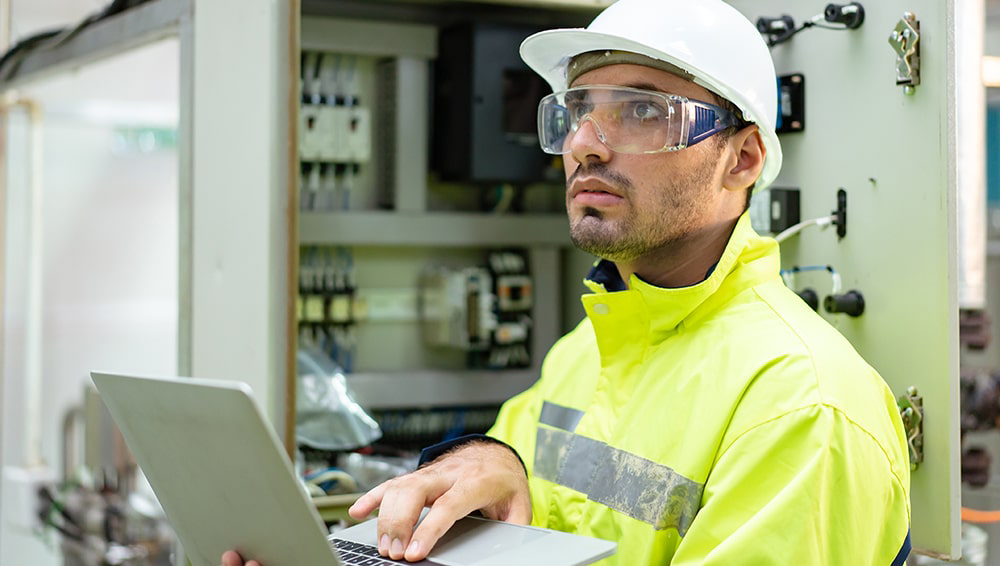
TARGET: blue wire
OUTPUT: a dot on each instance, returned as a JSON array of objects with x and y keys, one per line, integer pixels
[{"x": 348, "y": 365}]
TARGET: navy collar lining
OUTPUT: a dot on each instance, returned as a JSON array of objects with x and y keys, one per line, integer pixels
[{"x": 606, "y": 273}]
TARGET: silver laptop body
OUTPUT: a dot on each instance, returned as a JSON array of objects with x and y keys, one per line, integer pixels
[{"x": 225, "y": 482}]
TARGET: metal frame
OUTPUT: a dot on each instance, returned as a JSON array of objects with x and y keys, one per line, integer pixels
[
  {"x": 291, "y": 236},
  {"x": 133, "y": 28},
  {"x": 185, "y": 194},
  {"x": 240, "y": 214},
  {"x": 458, "y": 229}
]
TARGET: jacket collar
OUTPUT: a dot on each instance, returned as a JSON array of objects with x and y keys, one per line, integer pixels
[{"x": 747, "y": 260}]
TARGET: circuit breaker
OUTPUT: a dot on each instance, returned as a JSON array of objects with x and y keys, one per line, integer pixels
[
  {"x": 485, "y": 311},
  {"x": 457, "y": 308},
  {"x": 335, "y": 130}
]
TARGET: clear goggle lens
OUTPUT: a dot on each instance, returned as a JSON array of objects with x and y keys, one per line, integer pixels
[{"x": 628, "y": 120}]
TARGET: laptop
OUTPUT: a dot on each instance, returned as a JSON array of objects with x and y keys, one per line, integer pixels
[{"x": 225, "y": 482}]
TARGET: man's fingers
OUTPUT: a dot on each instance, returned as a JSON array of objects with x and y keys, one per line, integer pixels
[
  {"x": 443, "y": 514},
  {"x": 368, "y": 502},
  {"x": 232, "y": 558},
  {"x": 476, "y": 476},
  {"x": 400, "y": 512}
]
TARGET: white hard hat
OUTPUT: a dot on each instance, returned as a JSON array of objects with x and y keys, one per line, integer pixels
[{"x": 707, "y": 38}]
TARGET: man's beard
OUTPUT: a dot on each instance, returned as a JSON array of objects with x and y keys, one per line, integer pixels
[
  {"x": 615, "y": 241},
  {"x": 636, "y": 234}
]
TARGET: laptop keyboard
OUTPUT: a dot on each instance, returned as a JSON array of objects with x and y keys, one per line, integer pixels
[{"x": 357, "y": 554}]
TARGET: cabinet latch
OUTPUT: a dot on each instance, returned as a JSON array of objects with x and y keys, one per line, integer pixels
[
  {"x": 905, "y": 41},
  {"x": 911, "y": 409}
]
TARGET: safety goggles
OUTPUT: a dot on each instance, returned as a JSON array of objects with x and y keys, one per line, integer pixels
[{"x": 628, "y": 120}]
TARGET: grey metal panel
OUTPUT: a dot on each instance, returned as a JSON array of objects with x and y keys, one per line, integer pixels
[
  {"x": 547, "y": 272},
  {"x": 138, "y": 26},
  {"x": 895, "y": 155},
  {"x": 433, "y": 229},
  {"x": 429, "y": 388},
  {"x": 359, "y": 37},
  {"x": 443, "y": 12},
  {"x": 412, "y": 123},
  {"x": 185, "y": 196},
  {"x": 598, "y": 4}
]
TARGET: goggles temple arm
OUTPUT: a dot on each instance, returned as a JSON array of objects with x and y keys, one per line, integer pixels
[{"x": 706, "y": 120}]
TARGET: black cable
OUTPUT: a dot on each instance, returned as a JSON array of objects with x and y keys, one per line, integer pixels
[
  {"x": 843, "y": 17},
  {"x": 319, "y": 65},
  {"x": 783, "y": 38},
  {"x": 11, "y": 59},
  {"x": 70, "y": 528},
  {"x": 24, "y": 46}
]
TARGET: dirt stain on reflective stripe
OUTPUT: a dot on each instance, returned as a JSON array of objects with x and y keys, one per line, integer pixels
[{"x": 632, "y": 485}]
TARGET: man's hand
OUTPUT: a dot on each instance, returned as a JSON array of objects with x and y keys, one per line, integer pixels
[
  {"x": 477, "y": 476},
  {"x": 231, "y": 558}
]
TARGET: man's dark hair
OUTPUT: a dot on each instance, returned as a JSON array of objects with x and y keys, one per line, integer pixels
[{"x": 735, "y": 111}]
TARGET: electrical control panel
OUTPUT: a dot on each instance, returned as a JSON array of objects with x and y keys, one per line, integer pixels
[{"x": 411, "y": 278}]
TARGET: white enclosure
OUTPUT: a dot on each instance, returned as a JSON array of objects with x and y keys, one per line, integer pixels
[{"x": 894, "y": 154}]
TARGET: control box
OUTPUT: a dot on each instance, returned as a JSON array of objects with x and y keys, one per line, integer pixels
[{"x": 485, "y": 106}]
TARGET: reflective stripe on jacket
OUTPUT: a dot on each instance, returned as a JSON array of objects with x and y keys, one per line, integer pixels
[{"x": 722, "y": 423}]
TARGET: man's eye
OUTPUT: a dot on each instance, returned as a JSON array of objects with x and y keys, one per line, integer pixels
[
  {"x": 645, "y": 111},
  {"x": 578, "y": 110}
]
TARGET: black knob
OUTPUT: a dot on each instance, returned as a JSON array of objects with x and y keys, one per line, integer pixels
[
  {"x": 810, "y": 297},
  {"x": 850, "y": 303},
  {"x": 851, "y": 15},
  {"x": 775, "y": 26}
]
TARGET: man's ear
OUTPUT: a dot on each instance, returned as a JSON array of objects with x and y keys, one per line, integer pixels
[{"x": 747, "y": 159}]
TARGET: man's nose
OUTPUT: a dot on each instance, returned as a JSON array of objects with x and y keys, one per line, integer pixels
[{"x": 587, "y": 142}]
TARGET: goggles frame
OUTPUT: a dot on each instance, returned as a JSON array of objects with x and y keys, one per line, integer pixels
[{"x": 698, "y": 120}]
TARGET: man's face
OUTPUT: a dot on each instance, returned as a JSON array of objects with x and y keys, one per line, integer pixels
[{"x": 621, "y": 206}]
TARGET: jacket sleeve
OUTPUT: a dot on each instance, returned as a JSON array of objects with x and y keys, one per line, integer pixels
[
  {"x": 808, "y": 487},
  {"x": 516, "y": 426}
]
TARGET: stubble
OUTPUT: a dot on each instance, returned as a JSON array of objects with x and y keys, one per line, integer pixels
[{"x": 649, "y": 223}]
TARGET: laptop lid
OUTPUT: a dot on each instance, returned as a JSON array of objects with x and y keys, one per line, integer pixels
[{"x": 217, "y": 468}]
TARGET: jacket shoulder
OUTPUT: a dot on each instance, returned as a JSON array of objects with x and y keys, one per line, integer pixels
[{"x": 800, "y": 361}]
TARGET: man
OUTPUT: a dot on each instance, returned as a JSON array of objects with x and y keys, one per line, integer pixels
[{"x": 701, "y": 413}]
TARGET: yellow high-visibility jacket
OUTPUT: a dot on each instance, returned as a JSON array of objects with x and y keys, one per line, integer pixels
[{"x": 722, "y": 423}]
